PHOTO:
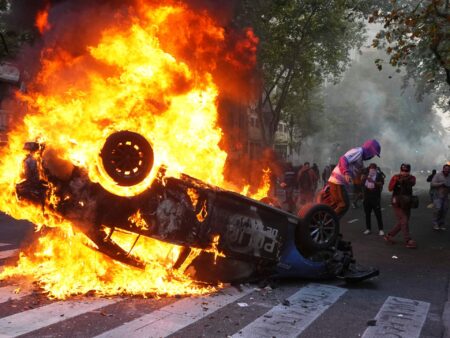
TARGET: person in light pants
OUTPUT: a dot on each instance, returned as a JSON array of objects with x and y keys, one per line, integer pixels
[{"x": 441, "y": 182}]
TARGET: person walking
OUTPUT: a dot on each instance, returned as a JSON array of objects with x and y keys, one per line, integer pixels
[
  {"x": 401, "y": 186},
  {"x": 326, "y": 174},
  {"x": 441, "y": 182},
  {"x": 350, "y": 164},
  {"x": 316, "y": 170},
  {"x": 288, "y": 185},
  {"x": 372, "y": 181},
  {"x": 357, "y": 190},
  {"x": 307, "y": 183},
  {"x": 432, "y": 190}
]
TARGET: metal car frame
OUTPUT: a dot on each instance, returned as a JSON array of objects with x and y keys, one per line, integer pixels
[{"x": 256, "y": 240}]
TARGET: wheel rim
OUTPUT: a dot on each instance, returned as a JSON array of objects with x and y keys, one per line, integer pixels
[
  {"x": 127, "y": 158},
  {"x": 322, "y": 227}
]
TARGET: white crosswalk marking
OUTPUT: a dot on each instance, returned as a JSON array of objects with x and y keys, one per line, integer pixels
[
  {"x": 174, "y": 317},
  {"x": 304, "y": 307},
  {"x": 8, "y": 253},
  {"x": 11, "y": 292},
  {"x": 399, "y": 317},
  {"x": 41, "y": 317},
  {"x": 4, "y": 244}
]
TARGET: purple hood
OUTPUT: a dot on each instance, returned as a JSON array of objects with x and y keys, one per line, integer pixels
[{"x": 370, "y": 149}]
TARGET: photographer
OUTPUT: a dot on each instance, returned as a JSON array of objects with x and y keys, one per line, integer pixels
[
  {"x": 441, "y": 184},
  {"x": 401, "y": 187},
  {"x": 373, "y": 181}
]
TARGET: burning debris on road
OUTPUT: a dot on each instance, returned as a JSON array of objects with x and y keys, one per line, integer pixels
[{"x": 118, "y": 124}]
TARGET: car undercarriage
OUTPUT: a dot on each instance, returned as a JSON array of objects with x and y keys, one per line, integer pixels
[{"x": 235, "y": 238}]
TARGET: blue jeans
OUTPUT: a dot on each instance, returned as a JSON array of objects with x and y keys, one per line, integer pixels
[{"x": 440, "y": 210}]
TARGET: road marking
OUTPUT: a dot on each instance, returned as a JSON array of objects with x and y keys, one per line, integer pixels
[
  {"x": 305, "y": 306},
  {"x": 41, "y": 317},
  {"x": 174, "y": 317},
  {"x": 399, "y": 317},
  {"x": 353, "y": 221},
  {"x": 4, "y": 244},
  {"x": 8, "y": 253},
  {"x": 10, "y": 293}
]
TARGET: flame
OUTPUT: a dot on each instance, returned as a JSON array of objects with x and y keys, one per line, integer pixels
[
  {"x": 215, "y": 250},
  {"x": 264, "y": 189},
  {"x": 138, "y": 77},
  {"x": 41, "y": 22},
  {"x": 138, "y": 221}
]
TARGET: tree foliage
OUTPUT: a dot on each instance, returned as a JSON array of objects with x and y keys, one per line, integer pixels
[
  {"x": 12, "y": 35},
  {"x": 416, "y": 36},
  {"x": 302, "y": 43},
  {"x": 301, "y": 111}
]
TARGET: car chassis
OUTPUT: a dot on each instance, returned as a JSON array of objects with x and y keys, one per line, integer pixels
[{"x": 256, "y": 240}]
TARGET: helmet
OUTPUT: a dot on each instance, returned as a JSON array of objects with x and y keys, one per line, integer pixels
[{"x": 372, "y": 147}]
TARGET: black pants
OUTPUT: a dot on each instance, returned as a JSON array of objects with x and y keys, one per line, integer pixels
[{"x": 373, "y": 203}]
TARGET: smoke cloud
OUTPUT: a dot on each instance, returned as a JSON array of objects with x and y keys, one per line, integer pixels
[{"x": 368, "y": 103}]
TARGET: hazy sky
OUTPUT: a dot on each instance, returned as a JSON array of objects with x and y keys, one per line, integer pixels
[{"x": 371, "y": 104}]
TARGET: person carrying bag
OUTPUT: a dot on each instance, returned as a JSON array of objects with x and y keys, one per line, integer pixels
[{"x": 402, "y": 201}]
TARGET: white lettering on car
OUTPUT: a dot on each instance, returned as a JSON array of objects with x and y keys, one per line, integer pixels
[{"x": 251, "y": 233}]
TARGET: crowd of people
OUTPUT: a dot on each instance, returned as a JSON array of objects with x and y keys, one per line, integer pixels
[{"x": 366, "y": 183}]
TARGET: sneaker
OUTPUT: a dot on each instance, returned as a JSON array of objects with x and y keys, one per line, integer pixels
[
  {"x": 381, "y": 233},
  {"x": 430, "y": 206},
  {"x": 367, "y": 232},
  {"x": 411, "y": 244},
  {"x": 436, "y": 227},
  {"x": 442, "y": 228},
  {"x": 388, "y": 239}
]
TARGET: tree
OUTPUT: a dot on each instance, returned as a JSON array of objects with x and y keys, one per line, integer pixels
[
  {"x": 416, "y": 35},
  {"x": 13, "y": 32},
  {"x": 302, "y": 42},
  {"x": 301, "y": 112}
]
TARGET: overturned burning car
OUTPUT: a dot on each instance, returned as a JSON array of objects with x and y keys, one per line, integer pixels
[{"x": 255, "y": 240}]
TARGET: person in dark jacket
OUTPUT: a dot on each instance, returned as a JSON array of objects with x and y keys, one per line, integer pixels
[
  {"x": 441, "y": 182},
  {"x": 372, "y": 182},
  {"x": 288, "y": 185},
  {"x": 432, "y": 189},
  {"x": 307, "y": 183},
  {"x": 316, "y": 170},
  {"x": 326, "y": 174},
  {"x": 401, "y": 187}
]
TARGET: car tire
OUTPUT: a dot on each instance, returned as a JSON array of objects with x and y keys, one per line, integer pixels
[
  {"x": 318, "y": 228},
  {"x": 127, "y": 157}
]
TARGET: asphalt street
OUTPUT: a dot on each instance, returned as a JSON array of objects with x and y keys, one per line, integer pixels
[{"x": 408, "y": 299}]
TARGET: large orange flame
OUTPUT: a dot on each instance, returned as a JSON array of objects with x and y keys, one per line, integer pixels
[{"x": 136, "y": 77}]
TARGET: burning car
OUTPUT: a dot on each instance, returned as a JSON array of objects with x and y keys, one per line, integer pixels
[
  {"x": 225, "y": 236},
  {"x": 130, "y": 141}
]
